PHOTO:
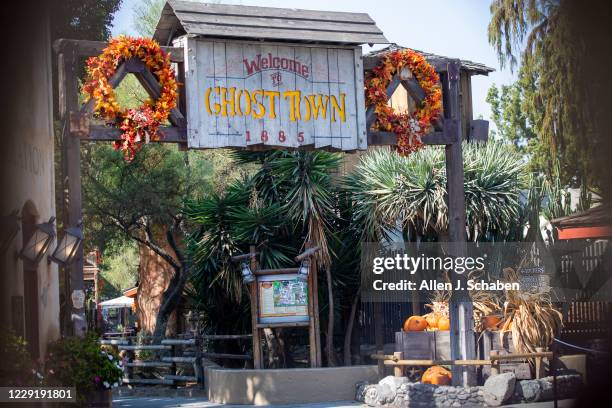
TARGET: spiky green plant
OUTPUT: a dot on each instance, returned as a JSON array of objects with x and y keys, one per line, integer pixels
[{"x": 412, "y": 189}]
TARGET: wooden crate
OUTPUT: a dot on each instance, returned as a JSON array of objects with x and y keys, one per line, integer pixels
[
  {"x": 490, "y": 341},
  {"x": 424, "y": 345}
]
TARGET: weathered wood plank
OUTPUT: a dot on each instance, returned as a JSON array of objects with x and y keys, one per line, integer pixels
[
  {"x": 460, "y": 305},
  {"x": 292, "y": 24},
  {"x": 147, "y": 381},
  {"x": 228, "y": 356},
  {"x": 185, "y": 360},
  {"x": 281, "y": 34},
  {"x": 144, "y": 347},
  {"x": 414, "y": 89},
  {"x": 285, "y": 271},
  {"x": 148, "y": 364},
  {"x": 86, "y": 48},
  {"x": 276, "y": 325},
  {"x": 106, "y": 133},
  {"x": 179, "y": 342},
  {"x": 479, "y": 131},
  {"x": 270, "y": 12},
  {"x": 152, "y": 86},
  {"x": 226, "y": 336},
  {"x": 184, "y": 378}
]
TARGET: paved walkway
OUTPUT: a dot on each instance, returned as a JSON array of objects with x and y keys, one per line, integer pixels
[
  {"x": 194, "y": 402},
  {"x": 187, "y": 402}
]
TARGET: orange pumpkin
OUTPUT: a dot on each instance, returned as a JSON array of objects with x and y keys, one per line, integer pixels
[
  {"x": 415, "y": 323},
  {"x": 432, "y": 320},
  {"x": 491, "y": 322},
  {"x": 443, "y": 323},
  {"x": 437, "y": 375}
]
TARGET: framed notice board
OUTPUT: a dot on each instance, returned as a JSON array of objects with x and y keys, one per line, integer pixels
[{"x": 282, "y": 299}]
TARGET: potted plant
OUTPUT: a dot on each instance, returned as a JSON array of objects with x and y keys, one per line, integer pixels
[{"x": 79, "y": 362}]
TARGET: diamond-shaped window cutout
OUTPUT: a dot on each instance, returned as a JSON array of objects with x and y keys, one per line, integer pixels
[{"x": 130, "y": 94}]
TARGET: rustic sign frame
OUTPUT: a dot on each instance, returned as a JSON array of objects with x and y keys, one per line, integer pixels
[{"x": 77, "y": 127}]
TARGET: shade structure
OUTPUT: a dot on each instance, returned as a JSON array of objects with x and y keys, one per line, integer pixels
[
  {"x": 121, "y": 301},
  {"x": 596, "y": 222}
]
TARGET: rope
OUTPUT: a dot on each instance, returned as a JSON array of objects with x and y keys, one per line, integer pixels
[{"x": 581, "y": 348}]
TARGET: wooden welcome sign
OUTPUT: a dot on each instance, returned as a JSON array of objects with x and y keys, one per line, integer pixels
[{"x": 243, "y": 94}]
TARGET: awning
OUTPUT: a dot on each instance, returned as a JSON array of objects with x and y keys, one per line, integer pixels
[
  {"x": 121, "y": 301},
  {"x": 595, "y": 222}
]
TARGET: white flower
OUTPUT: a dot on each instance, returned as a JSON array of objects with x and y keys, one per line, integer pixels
[
  {"x": 115, "y": 385},
  {"x": 39, "y": 376},
  {"x": 110, "y": 357},
  {"x": 106, "y": 384}
]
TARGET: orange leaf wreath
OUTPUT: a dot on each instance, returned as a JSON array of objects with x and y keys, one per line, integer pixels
[
  {"x": 408, "y": 127},
  {"x": 139, "y": 125}
]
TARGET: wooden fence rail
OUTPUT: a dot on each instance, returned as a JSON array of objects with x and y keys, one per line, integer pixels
[{"x": 169, "y": 354}]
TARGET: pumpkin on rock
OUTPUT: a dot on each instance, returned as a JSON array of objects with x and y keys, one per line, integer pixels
[
  {"x": 437, "y": 375},
  {"x": 415, "y": 323}
]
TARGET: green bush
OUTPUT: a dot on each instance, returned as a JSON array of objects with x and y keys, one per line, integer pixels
[
  {"x": 79, "y": 362},
  {"x": 17, "y": 368}
]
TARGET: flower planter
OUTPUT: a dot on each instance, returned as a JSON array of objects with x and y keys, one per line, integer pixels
[{"x": 99, "y": 399}]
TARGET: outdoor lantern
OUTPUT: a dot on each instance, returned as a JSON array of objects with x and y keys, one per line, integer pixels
[
  {"x": 304, "y": 269},
  {"x": 247, "y": 274},
  {"x": 68, "y": 246},
  {"x": 9, "y": 227},
  {"x": 39, "y": 242}
]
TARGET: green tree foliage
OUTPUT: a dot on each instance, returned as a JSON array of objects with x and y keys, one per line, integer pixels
[
  {"x": 83, "y": 19},
  {"x": 559, "y": 44},
  {"x": 146, "y": 16},
  {"x": 287, "y": 202},
  {"x": 119, "y": 268}
]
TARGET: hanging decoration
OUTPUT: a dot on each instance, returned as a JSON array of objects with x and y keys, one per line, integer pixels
[
  {"x": 408, "y": 127},
  {"x": 138, "y": 125}
]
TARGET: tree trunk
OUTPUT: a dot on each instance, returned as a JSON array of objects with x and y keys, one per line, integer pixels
[
  {"x": 348, "y": 335},
  {"x": 171, "y": 299},
  {"x": 329, "y": 340}
]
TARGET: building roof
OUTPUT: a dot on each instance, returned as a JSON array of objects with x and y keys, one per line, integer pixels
[
  {"x": 268, "y": 23},
  {"x": 121, "y": 301},
  {"x": 470, "y": 66},
  {"x": 593, "y": 217}
]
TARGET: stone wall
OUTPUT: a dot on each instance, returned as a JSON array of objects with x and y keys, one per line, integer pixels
[{"x": 497, "y": 390}]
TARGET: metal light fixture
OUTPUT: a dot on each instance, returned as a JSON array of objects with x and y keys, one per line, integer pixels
[
  {"x": 68, "y": 246},
  {"x": 39, "y": 243},
  {"x": 304, "y": 269},
  {"x": 9, "y": 227},
  {"x": 247, "y": 274}
]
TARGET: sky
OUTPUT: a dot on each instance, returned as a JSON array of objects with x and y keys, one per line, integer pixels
[{"x": 452, "y": 28}]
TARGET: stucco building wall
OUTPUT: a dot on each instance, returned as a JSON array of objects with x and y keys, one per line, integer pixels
[{"x": 27, "y": 186}]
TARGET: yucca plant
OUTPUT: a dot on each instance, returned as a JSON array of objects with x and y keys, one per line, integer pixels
[{"x": 412, "y": 190}]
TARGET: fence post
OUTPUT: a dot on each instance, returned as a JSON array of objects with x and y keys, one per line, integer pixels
[
  {"x": 381, "y": 364},
  {"x": 494, "y": 362},
  {"x": 539, "y": 367},
  {"x": 398, "y": 370},
  {"x": 173, "y": 353},
  {"x": 199, "y": 372},
  {"x": 131, "y": 356}
]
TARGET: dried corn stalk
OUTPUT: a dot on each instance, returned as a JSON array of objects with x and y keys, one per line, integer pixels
[{"x": 532, "y": 319}]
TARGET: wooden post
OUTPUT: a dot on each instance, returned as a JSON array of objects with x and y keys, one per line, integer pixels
[
  {"x": 381, "y": 364},
  {"x": 197, "y": 366},
  {"x": 494, "y": 363},
  {"x": 257, "y": 350},
  {"x": 398, "y": 370},
  {"x": 539, "y": 366},
  {"x": 460, "y": 306},
  {"x": 71, "y": 174}
]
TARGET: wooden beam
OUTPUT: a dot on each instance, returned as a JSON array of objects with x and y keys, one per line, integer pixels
[
  {"x": 479, "y": 131},
  {"x": 86, "y": 48},
  {"x": 447, "y": 136},
  {"x": 462, "y": 340},
  {"x": 370, "y": 114},
  {"x": 71, "y": 176},
  {"x": 153, "y": 88},
  {"x": 370, "y": 63},
  {"x": 414, "y": 89}
]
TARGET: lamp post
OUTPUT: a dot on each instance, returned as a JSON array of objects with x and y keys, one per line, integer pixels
[
  {"x": 39, "y": 243},
  {"x": 67, "y": 247}
]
